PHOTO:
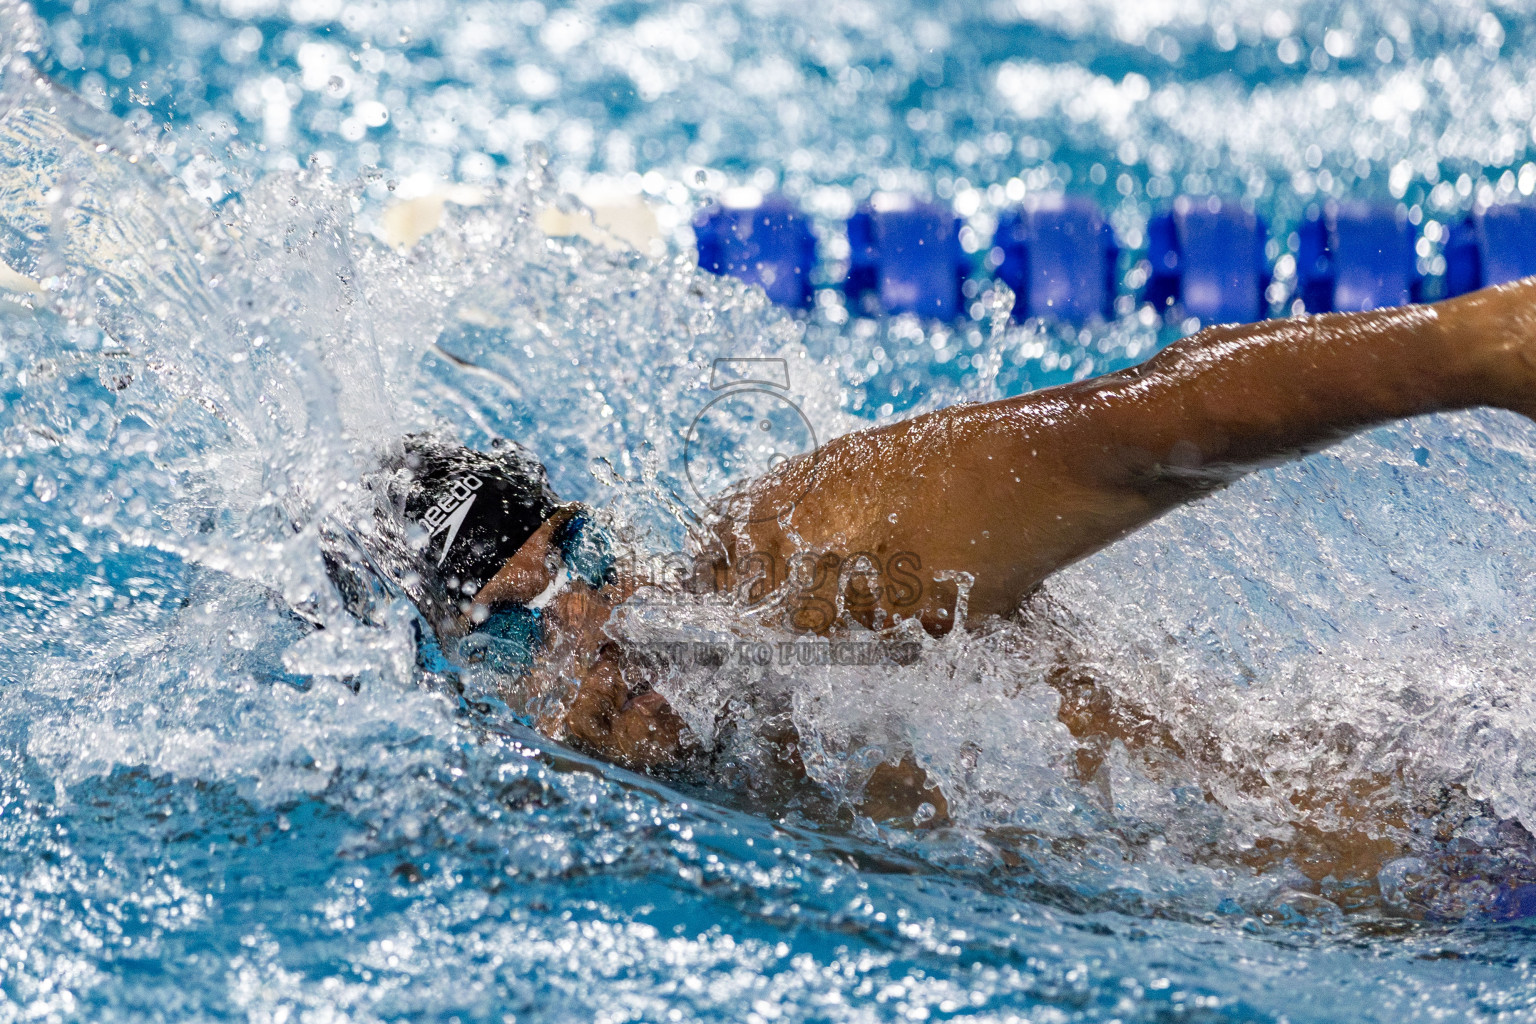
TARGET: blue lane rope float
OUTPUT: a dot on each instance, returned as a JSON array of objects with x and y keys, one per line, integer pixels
[
  {"x": 768, "y": 243},
  {"x": 1492, "y": 246},
  {"x": 1356, "y": 256},
  {"x": 1207, "y": 260},
  {"x": 1060, "y": 258},
  {"x": 905, "y": 257},
  {"x": 1207, "y": 256}
]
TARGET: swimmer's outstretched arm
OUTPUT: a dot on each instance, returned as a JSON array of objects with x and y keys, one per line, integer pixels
[{"x": 1011, "y": 491}]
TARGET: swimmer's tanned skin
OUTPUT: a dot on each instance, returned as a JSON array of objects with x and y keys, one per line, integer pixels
[{"x": 1011, "y": 491}]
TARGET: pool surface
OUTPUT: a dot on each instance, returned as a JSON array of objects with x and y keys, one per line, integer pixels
[{"x": 211, "y": 810}]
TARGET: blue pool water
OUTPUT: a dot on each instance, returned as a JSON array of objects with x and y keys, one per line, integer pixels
[{"x": 210, "y": 810}]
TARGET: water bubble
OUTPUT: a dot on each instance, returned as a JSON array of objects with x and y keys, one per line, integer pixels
[{"x": 45, "y": 487}]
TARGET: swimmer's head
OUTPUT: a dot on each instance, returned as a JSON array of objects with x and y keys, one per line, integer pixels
[
  {"x": 468, "y": 512},
  {"x": 444, "y": 518}
]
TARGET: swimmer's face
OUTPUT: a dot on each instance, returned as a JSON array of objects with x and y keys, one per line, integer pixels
[
  {"x": 527, "y": 578},
  {"x": 612, "y": 711}
]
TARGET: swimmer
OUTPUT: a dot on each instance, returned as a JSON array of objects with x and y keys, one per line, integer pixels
[{"x": 1005, "y": 493}]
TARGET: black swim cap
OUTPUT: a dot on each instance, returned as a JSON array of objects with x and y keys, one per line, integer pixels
[{"x": 476, "y": 507}]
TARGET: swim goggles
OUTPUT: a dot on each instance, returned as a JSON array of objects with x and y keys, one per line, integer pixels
[{"x": 514, "y": 633}]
